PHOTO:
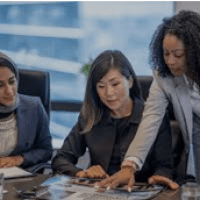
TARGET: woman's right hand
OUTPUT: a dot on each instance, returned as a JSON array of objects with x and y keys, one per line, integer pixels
[
  {"x": 11, "y": 161},
  {"x": 158, "y": 179},
  {"x": 96, "y": 172}
]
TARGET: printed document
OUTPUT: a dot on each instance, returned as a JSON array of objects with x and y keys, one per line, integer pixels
[{"x": 14, "y": 172}]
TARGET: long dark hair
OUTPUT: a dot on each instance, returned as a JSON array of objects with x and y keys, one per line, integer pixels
[
  {"x": 186, "y": 27},
  {"x": 93, "y": 109}
]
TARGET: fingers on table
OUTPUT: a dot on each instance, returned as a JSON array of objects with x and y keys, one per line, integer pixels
[
  {"x": 81, "y": 174},
  {"x": 113, "y": 181},
  {"x": 117, "y": 182},
  {"x": 96, "y": 172},
  {"x": 106, "y": 181},
  {"x": 102, "y": 172},
  {"x": 164, "y": 181},
  {"x": 173, "y": 185},
  {"x": 131, "y": 183},
  {"x": 5, "y": 164}
]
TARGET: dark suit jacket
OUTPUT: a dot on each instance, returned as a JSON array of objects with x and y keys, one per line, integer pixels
[
  {"x": 34, "y": 140},
  {"x": 100, "y": 142}
]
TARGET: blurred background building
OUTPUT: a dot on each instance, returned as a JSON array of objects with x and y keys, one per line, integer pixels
[{"x": 61, "y": 37}]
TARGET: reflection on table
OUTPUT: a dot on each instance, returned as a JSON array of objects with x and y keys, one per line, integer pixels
[{"x": 64, "y": 188}]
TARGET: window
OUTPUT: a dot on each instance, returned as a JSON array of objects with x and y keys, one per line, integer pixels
[
  {"x": 61, "y": 37},
  {"x": 127, "y": 26}
]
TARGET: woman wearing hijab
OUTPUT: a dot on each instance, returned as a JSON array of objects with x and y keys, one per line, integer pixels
[{"x": 24, "y": 125}]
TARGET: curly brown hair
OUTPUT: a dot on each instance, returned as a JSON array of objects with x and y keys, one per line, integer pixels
[{"x": 185, "y": 26}]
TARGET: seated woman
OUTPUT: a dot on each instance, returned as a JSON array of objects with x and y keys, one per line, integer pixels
[
  {"x": 108, "y": 122},
  {"x": 24, "y": 125}
]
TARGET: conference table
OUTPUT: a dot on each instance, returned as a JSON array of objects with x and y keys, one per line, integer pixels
[{"x": 12, "y": 185}]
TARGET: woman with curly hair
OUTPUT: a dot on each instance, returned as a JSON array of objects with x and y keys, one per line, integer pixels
[{"x": 175, "y": 59}]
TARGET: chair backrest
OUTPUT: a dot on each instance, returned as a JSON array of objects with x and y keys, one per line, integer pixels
[
  {"x": 145, "y": 82},
  {"x": 36, "y": 83}
]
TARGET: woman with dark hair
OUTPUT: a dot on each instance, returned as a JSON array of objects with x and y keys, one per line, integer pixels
[
  {"x": 175, "y": 59},
  {"x": 24, "y": 125},
  {"x": 107, "y": 124}
]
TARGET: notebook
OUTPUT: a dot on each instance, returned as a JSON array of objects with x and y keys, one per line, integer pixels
[{"x": 14, "y": 172}]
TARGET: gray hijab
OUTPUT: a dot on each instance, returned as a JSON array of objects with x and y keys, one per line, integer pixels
[{"x": 7, "y": 62}]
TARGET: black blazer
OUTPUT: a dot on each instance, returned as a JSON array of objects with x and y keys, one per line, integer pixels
[{"x": 100, "y": 142}]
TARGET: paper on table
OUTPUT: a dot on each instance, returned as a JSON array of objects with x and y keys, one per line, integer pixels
[
  {"x": 68, "y": 190},
  {"x": 14, "y": 172}
]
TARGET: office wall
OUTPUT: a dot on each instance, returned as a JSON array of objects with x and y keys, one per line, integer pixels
[{"x": 187, "y": 5}]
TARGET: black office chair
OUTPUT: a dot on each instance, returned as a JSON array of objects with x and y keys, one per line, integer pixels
[{"x": 35, "y": 83}]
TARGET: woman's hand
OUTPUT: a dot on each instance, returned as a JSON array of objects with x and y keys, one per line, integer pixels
[
  {"x": 123, "y": 177},
  {"x": 126, "y": 177},
  {"x": 157, "y": 179},
  {"x": 11, "y": 161},
  {"x": 96, "y": 172}
]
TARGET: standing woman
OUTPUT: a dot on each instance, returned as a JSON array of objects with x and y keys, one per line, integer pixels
[
  {"x": 24, "y": 125},
  {"x": 175, "y": 59},
  {"x": 107, "y": 124}
]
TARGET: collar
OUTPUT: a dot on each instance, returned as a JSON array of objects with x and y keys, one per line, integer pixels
[
  {"x": 191, "y": 84},
  {"x": 179, "y": 81},
  {"x": 187, "y": 80}
]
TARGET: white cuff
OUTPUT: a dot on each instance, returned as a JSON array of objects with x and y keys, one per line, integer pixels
[{"x": 137, "y": 161}]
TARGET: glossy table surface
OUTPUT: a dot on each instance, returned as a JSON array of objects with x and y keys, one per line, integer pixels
[
  {"x": 11, "y": 185},
  {"x": 21, "y": 183}
]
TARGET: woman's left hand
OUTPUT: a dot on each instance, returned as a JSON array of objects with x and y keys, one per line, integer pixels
[
  {"x": 11, "y": 161},
  {"x": 96, "y": 171},
  {"x": 157, "y": 179}
]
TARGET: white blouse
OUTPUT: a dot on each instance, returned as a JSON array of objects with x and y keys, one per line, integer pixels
[{"x": 8, "y": 135}]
